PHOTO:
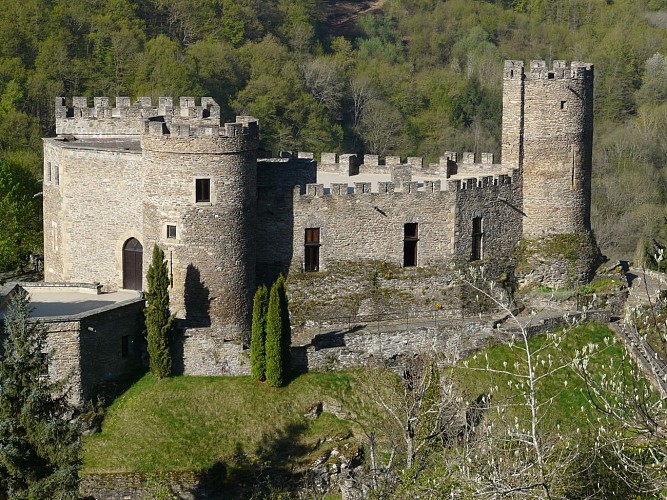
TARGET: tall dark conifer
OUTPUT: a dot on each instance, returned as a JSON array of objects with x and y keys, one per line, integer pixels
[
  {"x": 285, "y": 326},
  {"x": 39, "y": 446},
  {"x": 258, "y": 339},
  {"x": 158, "y": 319},
  {"x": 275, "y": 375}
]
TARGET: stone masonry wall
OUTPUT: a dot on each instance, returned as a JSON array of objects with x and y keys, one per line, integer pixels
[
  {"x": 557, "y": 146},
  {"x": 90, "y": 213},
  {"x": 212, "y": 257},
  {"x": 498, "y": 203},
  {"x": 370, "y": 226},
  {"x": 276, "y": 179},
  {"x": 102, "y": 359}
]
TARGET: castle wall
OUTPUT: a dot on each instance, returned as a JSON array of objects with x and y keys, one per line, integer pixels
[
  {"x": 557, "y": 146},
  {"x": 497, "y": 201},
  {"x": 276, "y": 179},
  {"x": 101, "y": 341},
  {"x": 89, "y": 212},
  {"x": 126, "y": 118},
  {"x": 370, "y": 226}
]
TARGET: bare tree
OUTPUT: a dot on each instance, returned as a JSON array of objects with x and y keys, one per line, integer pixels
[
  {"x": 380, "y": 127},
  {"x": 322, "y": 79},
  {"x": 361, "y": 90},
  {"x": 420, "y": 410},
  {"x": 516, "y": 453}
]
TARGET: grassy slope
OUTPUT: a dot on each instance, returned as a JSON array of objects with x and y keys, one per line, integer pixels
[
  {"x": 564, "y": 386},
  {"x": 190, "y": 423}
]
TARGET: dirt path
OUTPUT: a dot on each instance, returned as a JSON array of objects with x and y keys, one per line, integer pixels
[{"x": 341, "y": 16}]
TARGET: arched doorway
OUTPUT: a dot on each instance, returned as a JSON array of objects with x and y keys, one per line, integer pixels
[{"x": 133, "y": 254}]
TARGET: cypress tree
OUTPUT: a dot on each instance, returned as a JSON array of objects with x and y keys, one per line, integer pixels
[
  {"x": 39, "y": 447},
  {"x": 285, "y": 326},
  {"x": 274, "y": 362},
  {"x": 158, "y": 319},
  {"x": 258, "y": 339}
]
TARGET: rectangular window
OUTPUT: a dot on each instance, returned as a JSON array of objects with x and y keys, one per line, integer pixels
[
  {"x": 202, "y": 190},
  {"x": 56, "y": 175},
  {"x": 563, "y": 105},
  {"x": 477, "y": 238},
  {"x": 48, "y": 171},
  {"x": 410, "y": 240},
  {"x": 171, "y": 232},
  {"x": 312, "y": 249},
  {"x": 124, "y": 346}
]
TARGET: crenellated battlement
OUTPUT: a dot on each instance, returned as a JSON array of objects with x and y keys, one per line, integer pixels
[
  {"x": 244, "y": 126},
  {"x": 448, "y": 164},
  {"x": 540, "y": 70},
  {"x": 410, "y": 188},
  {"x": 126, "y": 118}
]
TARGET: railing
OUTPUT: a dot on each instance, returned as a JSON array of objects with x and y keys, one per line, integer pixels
[{"x": 654, "y": 365}]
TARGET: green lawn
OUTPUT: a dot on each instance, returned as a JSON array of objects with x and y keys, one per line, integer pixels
[
  {"x": 193, "y": 423},
  {"x": 564, "y": 387}
]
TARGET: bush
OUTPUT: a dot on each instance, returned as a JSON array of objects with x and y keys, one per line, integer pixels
[{"x": 258, "y": 339}]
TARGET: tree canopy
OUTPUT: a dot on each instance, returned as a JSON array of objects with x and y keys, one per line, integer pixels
[{"x": 410, "y": 78}]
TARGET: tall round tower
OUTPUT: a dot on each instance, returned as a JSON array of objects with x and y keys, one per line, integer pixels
[
  {"x": 557, "y": 148},
  {"x": 548, "y": 135},
  {"x": 200, "y": 184}
]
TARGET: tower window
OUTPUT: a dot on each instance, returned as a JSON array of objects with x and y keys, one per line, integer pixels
[
  {"x": 56, "y": 175},
  {"x": 202, "y": 190},
  {"x": 312, "y": 249},
  {"x": 410, "y": 240},
  {"x": 48, "y": 171},
  {"x": 563, "y": 105},
  {"x": 477, "y": 238},
  {"x": 171, "y": 232}
]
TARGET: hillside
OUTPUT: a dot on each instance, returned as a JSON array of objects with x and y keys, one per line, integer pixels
[
  {"x": 399, "y": 77},
  {"x": 249, "y": 432}
]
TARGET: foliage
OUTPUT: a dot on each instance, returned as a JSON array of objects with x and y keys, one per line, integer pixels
[
  {"x": 158, "y": 319},
  {"x": 274, "y": 364},
  {"x": 21, "y": 223},
  {"x": 258, "y": 338},
  {"x": 39, "y": 447},
  {"x": 285, "y": 325},
  {"x": 278, "y": 335}
]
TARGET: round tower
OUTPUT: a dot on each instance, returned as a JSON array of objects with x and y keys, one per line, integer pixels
[
  {"x": 548, "y": 137},
  {"x": 200, "y": 184},
  {"x": 557, "y": 148}
]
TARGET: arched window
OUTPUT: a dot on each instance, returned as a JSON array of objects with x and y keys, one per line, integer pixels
[{"x": 133, "y": 254}]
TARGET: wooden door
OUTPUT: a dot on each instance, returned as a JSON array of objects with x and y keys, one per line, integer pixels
[{"x": 133, "y": 255}]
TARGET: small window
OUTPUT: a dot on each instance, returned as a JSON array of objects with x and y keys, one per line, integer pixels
[
  {"x": 171, "y": 232},
  {"x": 410, "y": 240},
  {"x": 203, "y": 190},
  {"x": 312, "y": 249},
  {"x": 477, "y": 238},
  {"x": 48, "y": 171},
  {"x": 124, "y": 346},
  {"x": 56, "y": 175},
  {"x": 563, "y": 105}
]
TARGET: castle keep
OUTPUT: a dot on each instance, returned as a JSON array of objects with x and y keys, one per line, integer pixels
[{"x": 118, "y": 179}]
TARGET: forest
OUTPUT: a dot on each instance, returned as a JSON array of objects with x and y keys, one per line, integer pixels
[{"x": 409, "y": 78}]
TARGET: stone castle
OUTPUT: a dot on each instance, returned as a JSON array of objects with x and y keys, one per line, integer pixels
[{"x": 119, "y": 179}]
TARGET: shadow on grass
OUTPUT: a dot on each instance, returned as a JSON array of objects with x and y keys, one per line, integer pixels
[{"x": 270, "y": 469}]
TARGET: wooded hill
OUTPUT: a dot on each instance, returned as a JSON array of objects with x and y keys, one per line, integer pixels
[{"x": 410, "y": 77}]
